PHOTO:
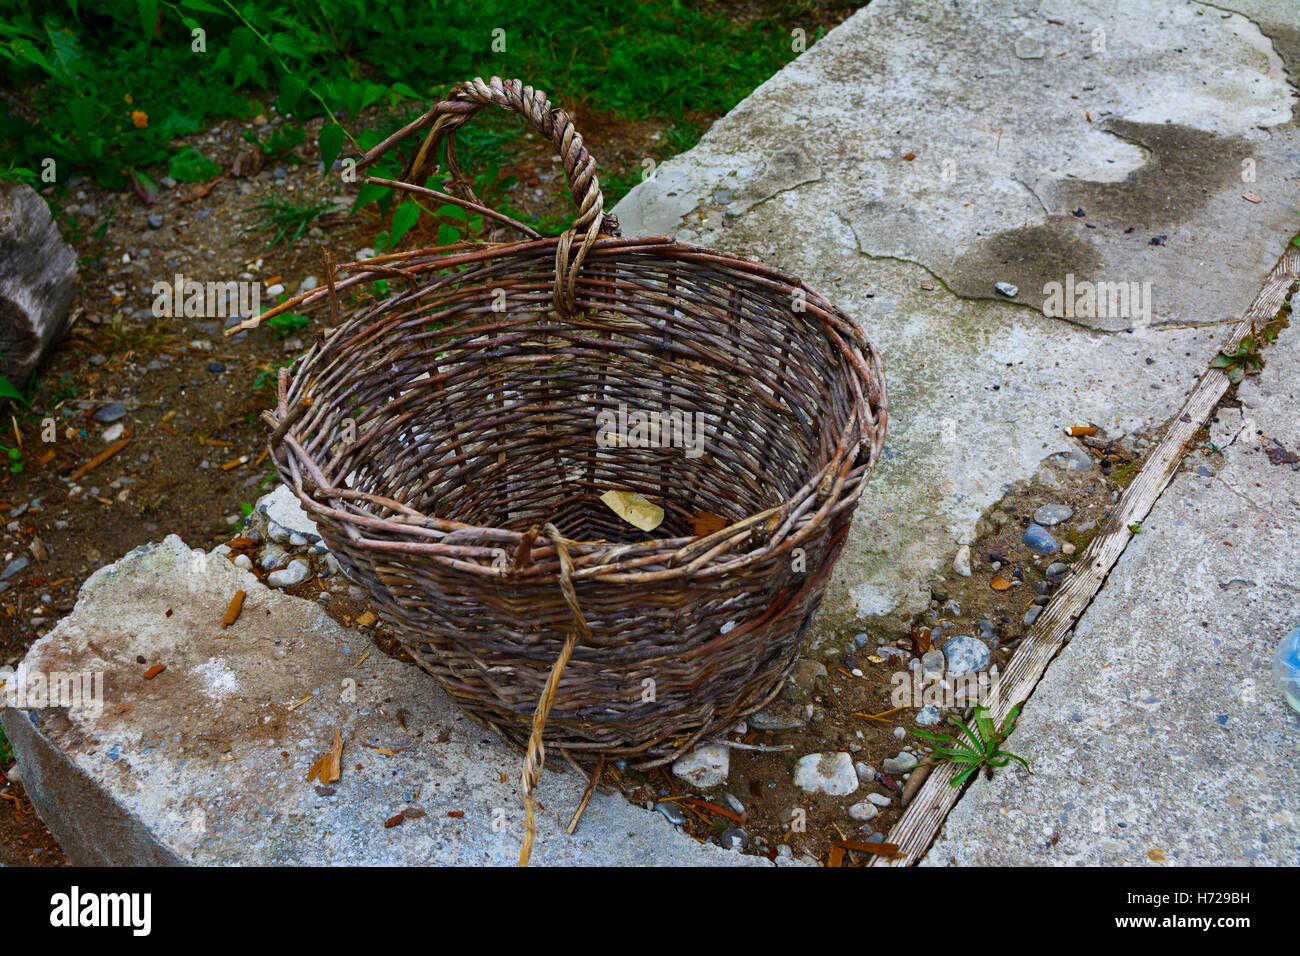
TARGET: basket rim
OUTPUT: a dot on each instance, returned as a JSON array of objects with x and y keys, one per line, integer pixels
[{"x": 838, "y": 483}]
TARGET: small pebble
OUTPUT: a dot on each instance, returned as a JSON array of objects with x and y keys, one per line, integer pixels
[
  {"x": 1039, "y": 541},
  {"x": 1051, "y": 514},
  {"x": 932, "y": 662},
  {"x": 829, "y": 773},
  {"x": 13, "y": 567},
  {"x": 110, "y": 413},
  {"x": 966, "y": 655},
  {"x": 295, "y": 573},
  {"x": 928, "y": 716},
  {"x": 671, "y": 812},
  {"x": 1006, "y": 289},
  {"x": 903, "y": 763},
  {"x": 863, "y": 811}
]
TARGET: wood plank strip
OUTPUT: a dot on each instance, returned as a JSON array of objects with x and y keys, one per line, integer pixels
[{"x": 920, "y": 824}]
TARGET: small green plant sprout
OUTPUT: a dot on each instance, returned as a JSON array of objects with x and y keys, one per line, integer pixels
[
  {"x": 980, "y": 748},
  {"x": 14, "y": 458},
  {"x": 1242, "y": 361},
  {"x": 287, "y": 220},
  {"x": 286, "y": 323},
  {"x": 1135, "y": 527}
]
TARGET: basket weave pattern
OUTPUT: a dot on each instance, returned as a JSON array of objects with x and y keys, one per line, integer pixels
[{"x": 474, "y": 392}]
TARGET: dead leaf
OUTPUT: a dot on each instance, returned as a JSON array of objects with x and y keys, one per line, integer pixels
[
  {"x": 999, "y": 583},
  {"x": 314, "y": 772},
  {"x": 366, "y": 619},
  {"x": 634, "y": 509},
  {"x": 879, "y": 849},
  {"x": 705, "y": 523},
  {"x": 1251, "y": 197},
  {"x": 393, "y": 821},
  {"x": 1277, "y": 453},
  {"x": 154, "y": 671},
  {"x": 331, "y": 768},
  {"x": 232, "y": 612}
]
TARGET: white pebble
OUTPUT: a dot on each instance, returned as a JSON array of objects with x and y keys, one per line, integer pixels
[
  {"x": 295, "y": 573},
  {"x": 863, "y": 811}
]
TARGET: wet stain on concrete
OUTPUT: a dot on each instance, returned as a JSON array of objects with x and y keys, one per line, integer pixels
[{"x": 1094, "y": 225}]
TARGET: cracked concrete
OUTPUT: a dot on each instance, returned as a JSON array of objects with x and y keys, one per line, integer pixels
[{"x": 1004, "y": 151}]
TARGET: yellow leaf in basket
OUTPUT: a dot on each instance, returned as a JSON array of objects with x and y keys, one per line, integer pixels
[{"x": 634, "y": 509}]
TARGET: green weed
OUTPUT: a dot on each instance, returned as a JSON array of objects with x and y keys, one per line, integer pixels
[
  {"x": 286, "y": 220},
  {"x": 980, "y": 745}
]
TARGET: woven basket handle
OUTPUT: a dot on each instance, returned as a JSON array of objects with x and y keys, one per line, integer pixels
[{"x": 514, "y": 97}]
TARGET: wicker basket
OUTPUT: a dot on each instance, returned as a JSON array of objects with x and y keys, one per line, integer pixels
[{"x": 468, "y": 504}]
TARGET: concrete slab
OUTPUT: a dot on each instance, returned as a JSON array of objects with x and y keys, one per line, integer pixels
[
  {"x": 1156, "y": 735},
  {"x": 920, "y": 153},
  {"x": 207, "y": 761}
]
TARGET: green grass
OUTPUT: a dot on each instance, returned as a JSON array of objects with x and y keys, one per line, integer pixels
[{"x": 111, "y": 83}]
